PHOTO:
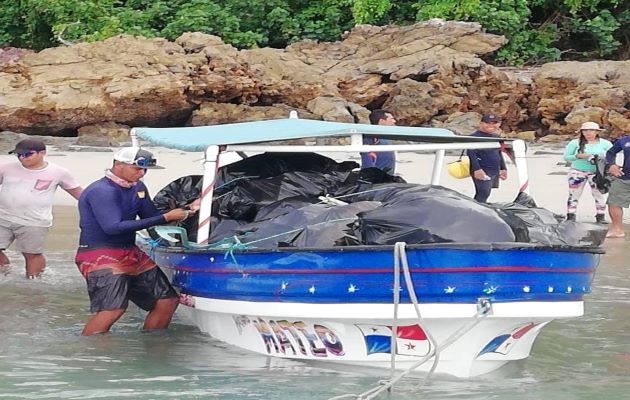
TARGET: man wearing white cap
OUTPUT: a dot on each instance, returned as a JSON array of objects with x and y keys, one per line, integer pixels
[
  {"x": 116, "y": 271},
  {"x": 27, "y": 189}
]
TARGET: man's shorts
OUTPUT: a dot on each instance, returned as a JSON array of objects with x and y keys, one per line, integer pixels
[
  {"x": 28, "y": 239},
  {"x": 619, "y": 194},
  {"x": 112, "y": 280}
]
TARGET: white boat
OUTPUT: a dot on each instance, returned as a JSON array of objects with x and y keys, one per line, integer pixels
[{"x": 459, "y": 308}]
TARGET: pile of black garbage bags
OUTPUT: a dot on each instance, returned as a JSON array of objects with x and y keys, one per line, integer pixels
[{"x": 308, "y": 200}]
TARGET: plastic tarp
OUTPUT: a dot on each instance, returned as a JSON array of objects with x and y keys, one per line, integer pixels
[{"x": 275, "y": 200}]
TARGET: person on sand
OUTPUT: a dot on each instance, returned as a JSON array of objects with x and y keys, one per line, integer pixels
[
  {"x": 115, "y": 269},
  {"x": 27, "y": 189},
  {"x": 580, "y": 152},
  {"x": 619, "y": 194},
  {"x": 486, "y": 165}
]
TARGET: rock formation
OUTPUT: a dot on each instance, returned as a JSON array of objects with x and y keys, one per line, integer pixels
[{"x": 429, "y": 73}]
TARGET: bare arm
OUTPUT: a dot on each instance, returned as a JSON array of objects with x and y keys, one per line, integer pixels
[{"x": 75, "y": 192}]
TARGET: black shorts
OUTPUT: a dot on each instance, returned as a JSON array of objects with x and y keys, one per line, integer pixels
[{"x": 109, "y": 291}]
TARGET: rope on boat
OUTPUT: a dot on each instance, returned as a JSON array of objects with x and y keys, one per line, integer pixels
[
  {"x": 237, "y": 245},
  {"x": 400, "y": 256},
  {"x": 363, "y": 192},
  {"x": 153, "y": 243},
  {"x": 240, "y": 178},
  {"x": 483, "y": 309}
]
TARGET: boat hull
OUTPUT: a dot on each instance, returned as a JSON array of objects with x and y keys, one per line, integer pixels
[{"x": 336, "y": 306}]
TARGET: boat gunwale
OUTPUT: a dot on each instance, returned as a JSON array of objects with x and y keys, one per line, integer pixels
[{"x": 501, "y": 246}]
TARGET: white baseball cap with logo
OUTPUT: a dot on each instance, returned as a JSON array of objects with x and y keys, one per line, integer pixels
[{"x": 138, "y": 157}]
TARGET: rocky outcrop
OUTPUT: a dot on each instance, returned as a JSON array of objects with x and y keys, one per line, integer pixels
[
  {"x": 573, "y": 92},
  {"x": 429, "y": 73}
]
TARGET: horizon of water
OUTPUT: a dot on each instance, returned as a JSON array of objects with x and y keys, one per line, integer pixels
[{"x": 43, "y": 355}]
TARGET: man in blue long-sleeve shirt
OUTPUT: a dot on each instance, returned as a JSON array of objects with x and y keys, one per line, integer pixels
[
  {"x": 486, "y": 165},
  {"x": 619, "y": 194},
  {"x": 385, "y": 160},
  {"x": 115, "y": 269}
]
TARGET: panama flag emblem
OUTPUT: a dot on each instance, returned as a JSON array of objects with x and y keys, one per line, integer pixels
[
  {"x": 410, "y": 340},
  {"x": 502, "y": 344}
]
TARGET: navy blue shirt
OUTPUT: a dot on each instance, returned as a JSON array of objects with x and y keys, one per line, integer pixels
[
  {"x": 621, "y": 144},
  {"x": 490, "y": 160},
  {"x": 107, "y": 214},
  {"x": 385, "y": 160}
]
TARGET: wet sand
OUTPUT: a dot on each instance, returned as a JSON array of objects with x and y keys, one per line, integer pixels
[{"x": 64, "y": 234}]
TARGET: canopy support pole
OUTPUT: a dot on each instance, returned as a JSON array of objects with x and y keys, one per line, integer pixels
[
  {"x": 210, "y": 167},
  {"x": 521, "y": 165},
  {"x": 437, "y": 167}
]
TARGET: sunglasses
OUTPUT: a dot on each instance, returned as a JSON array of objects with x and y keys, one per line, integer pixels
[
  {"x": 145, "y": 162},
  {"x": 26, "y": 154}
]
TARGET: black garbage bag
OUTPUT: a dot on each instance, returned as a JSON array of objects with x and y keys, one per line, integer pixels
[
  {"x": 280, "y": 206},
  {"x": 602, "y": 178},
  {"x": 419, "y": 214},
  {"x": 284, "y": 206},
  {"x": 223, "y": 228},
  {"x": 525, "y": 199},
  {"x": 531, "y": 224},
  {"x": 268, "y": 165},
  {"x": 582, "y": 234},
  {"x": 179, "y": 194},
  {"x": 314, "y": 225},
  {"x": 248, "y": 196}
]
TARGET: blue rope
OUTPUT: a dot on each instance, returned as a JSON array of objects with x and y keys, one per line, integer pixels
[
  {"x": 153, "y": 243},
  {"x": 234, "y": 180},
  {"x": 237, "y": 245}
]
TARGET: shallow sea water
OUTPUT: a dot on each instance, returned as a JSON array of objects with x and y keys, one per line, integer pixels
[{"x": 43, "y": 356}]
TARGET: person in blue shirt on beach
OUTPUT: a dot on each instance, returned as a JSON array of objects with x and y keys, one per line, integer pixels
[
  {"x": 619, "y": 194},
  {"x": 116, "y": 271},
  {"x": 580, "y": 152},
  {"x": 486, "y": 165},
  {"x": 385, "y": 160}
]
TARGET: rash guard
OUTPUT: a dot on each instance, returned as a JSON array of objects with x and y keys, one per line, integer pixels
[
  {"x": 621, "y": 145},
  {"x": 490, "y": 160},
  {"x": 108, "y": 214}
]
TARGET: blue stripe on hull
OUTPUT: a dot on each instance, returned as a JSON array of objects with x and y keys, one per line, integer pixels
[{"x": 440, "y": 275}]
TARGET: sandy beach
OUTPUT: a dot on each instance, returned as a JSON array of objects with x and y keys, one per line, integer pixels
[{"x": 547, "y": 171}]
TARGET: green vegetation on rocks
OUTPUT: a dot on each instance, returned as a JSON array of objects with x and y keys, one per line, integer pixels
[{"x": 539, "y": 31}]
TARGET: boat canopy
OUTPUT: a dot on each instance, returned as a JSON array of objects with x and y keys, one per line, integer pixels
[
  {"x": 200, "y": 137},
  {"x": 267, "y": 136}
]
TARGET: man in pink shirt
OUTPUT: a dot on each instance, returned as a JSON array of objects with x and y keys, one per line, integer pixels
[{"x": 27, "y": 188}]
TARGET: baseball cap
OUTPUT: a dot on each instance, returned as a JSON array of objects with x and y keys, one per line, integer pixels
[
  {"x": 591, "y": 126},
  {"x": 490, "y": 117},
  {"x": 28, "y": 145},
  {"x": 138, "y": 157}
]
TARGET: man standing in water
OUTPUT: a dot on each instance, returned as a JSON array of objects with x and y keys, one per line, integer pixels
[
  {"x": 114, "y": 268},
  {"x": 486, "y": 165},
  {"x": 27, "y": 189},
  {"x": 385, "y": 160}
]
